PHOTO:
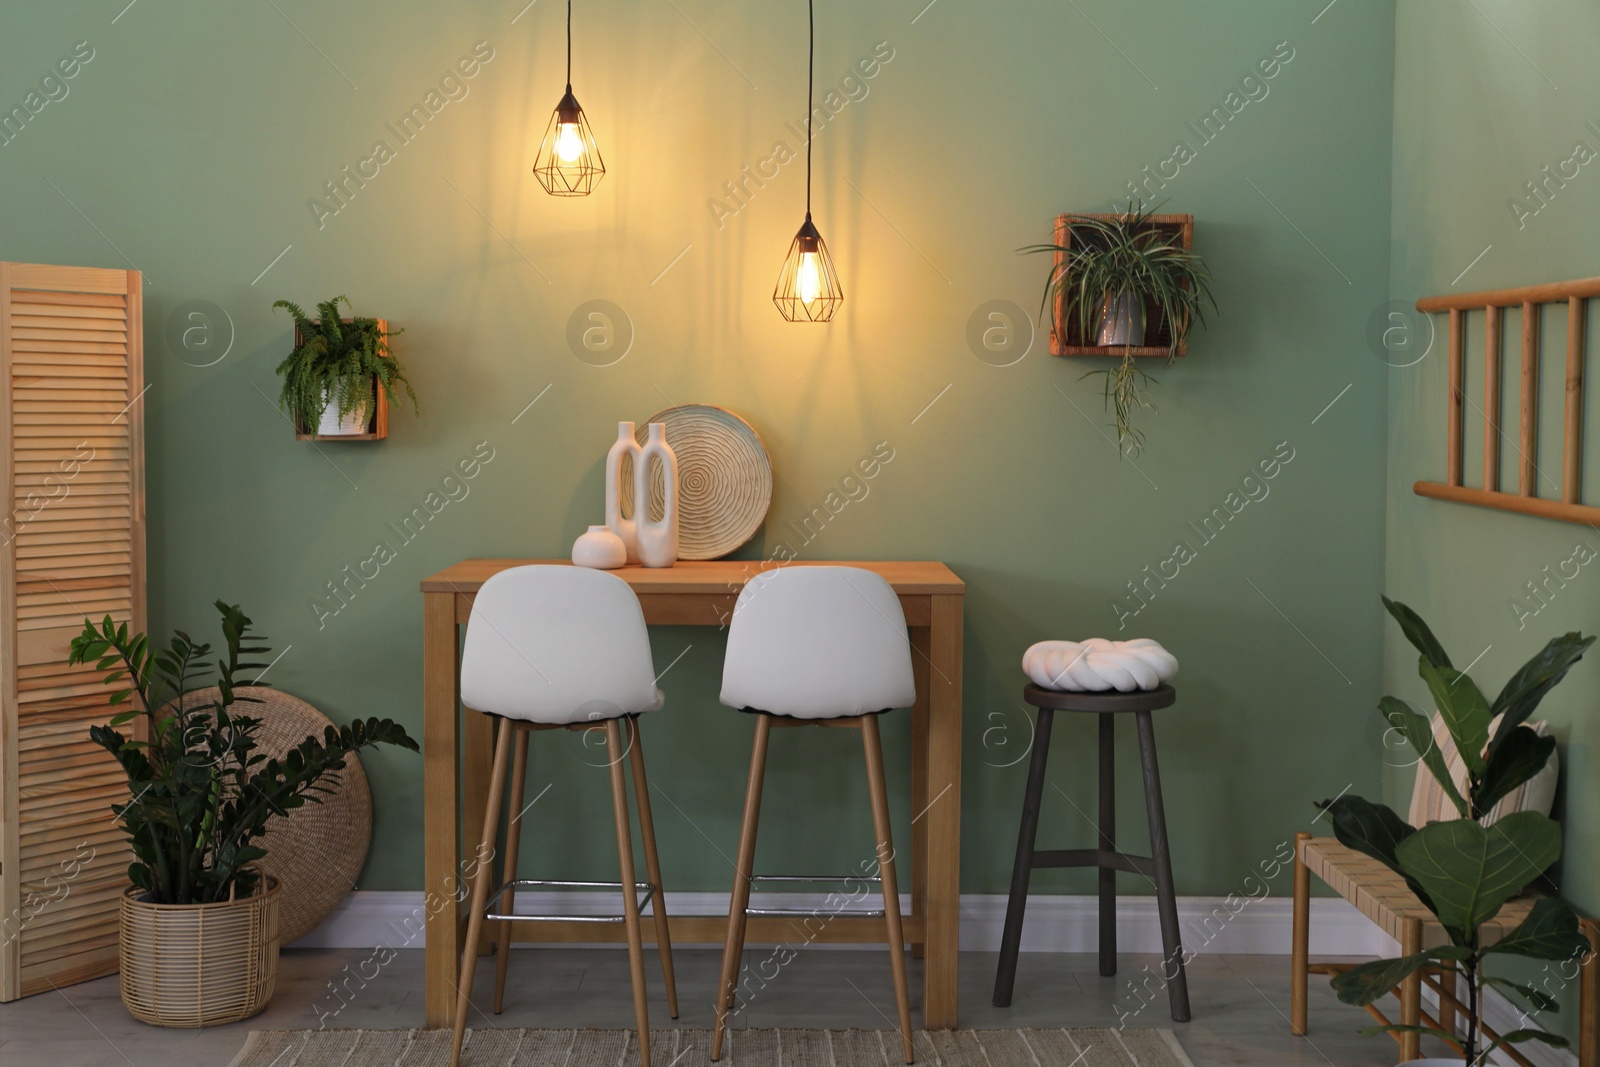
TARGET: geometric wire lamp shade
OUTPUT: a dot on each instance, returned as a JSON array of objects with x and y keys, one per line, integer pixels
[
  {"x": 568, "y": 163},
  {"x": 808, "y": 287}
]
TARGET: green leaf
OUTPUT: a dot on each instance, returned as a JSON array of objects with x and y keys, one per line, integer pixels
[
  {"x": 1537, "y": 677},
  {"x": 1517, "y": 1037},
  {"x": 1414, "y": 726},
  {"x": 1513, "y": 760},
  {"x": 1373, "y": 829},
  {"x": 1550, "y": 932},
  {"x": 1537, "y": 999},
  {"x": 1367, "y": 982},
  {"x": 1417, "y": 633},
  {"x": 1469, "y": 870},
  {"x": 1464, "y": 709}
]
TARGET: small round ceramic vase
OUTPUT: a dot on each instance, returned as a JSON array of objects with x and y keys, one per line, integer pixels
[{"x": 599, "y": 548}]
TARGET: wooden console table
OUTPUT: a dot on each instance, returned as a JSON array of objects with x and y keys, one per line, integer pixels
[{"x": 457, "y": 751}]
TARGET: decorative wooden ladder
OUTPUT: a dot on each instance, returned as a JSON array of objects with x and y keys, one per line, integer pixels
[{"x": 1526, "y": 499}]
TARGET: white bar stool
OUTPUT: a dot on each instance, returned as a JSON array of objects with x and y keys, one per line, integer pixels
[
  {"x": 816, "y": 646},
  {"x": 552, "y": 648}
]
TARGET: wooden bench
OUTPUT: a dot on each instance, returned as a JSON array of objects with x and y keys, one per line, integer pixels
[{"x": 1383, "y": 896}]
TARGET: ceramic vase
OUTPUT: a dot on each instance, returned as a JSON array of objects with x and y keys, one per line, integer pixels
[
  {"x": 624, "y": 527},
  {"x": 1121, "y": 321},
  {"x": 657, "y": 538},
  {"x": 599, "y": 548},
  {"x": 332, "y": 425}
]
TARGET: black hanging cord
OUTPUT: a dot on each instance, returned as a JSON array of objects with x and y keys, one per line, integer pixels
[
  {"x": 811, "y": 76},
  {"x": 569, "y": 46}
]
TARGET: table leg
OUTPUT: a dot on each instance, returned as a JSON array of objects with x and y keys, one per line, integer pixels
[
  {"x": 943, "y": 816},
  {"x": 1300, "y": 951},
  {"x": 920, "y": 646},
  {"x": 441, "y": 811}
]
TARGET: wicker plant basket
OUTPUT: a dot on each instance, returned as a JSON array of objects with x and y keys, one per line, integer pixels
[{"x": 193, "y": 965}]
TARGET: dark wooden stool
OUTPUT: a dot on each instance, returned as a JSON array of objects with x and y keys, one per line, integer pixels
[{"x": 1157, "y": 866}]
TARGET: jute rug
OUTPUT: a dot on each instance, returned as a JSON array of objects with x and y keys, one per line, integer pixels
[{"x": 692, "y": 1048}]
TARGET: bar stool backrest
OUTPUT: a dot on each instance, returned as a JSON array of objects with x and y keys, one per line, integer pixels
[
  {"x": 818, "y": 643},
  {"x": 557, "y": 644}
]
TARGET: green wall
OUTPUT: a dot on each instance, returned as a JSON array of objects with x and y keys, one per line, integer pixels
[
  {"x": 192, "y": 141},
  {"x": 1484, "y": 100}
]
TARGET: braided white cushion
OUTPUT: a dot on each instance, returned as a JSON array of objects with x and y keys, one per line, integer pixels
[{"x": 1095, "y": 665}]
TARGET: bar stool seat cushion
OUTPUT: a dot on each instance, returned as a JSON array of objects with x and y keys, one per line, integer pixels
[
  {"x": 1098, "y": 665},
  {"x": 793, "y": 652},
  {"x": 557, "y": 645}
]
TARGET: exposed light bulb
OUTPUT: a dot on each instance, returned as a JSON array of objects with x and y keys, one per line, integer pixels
[
  {"x": 569, "y": 143},
  {"x": 809, "y": 278}
]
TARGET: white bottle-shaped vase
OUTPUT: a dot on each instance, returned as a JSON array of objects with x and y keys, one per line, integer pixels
[
  {"x": 623, "y": 527},
  {"x": 657, "y": 538}
]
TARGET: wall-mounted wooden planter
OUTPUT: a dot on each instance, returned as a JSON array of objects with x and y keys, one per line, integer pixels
[
  {"x": 377, "y": 422},
  {"x": 1065, "y": 337}
]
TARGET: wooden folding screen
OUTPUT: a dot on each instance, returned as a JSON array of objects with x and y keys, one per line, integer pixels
[
  {"x": 1571, "y": 297},
  {"x": 71, "y": 545}
]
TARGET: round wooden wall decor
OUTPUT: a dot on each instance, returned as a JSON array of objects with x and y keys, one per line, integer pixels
[
  {"x": 315, "y": 851},
  {"x": 724, "y": 479}
]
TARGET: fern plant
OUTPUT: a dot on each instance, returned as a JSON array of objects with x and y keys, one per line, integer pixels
[
  {"x": 336, "y": 363},
  {"x": 201, "y": 791},
  {"x": 1126, "y": 255}
]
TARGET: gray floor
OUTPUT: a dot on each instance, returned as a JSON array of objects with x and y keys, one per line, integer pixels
[{"x": 1240, "y": 1004}]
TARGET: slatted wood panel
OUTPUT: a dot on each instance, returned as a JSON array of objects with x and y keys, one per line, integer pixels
[
  {"x": 1531, "y": 299},
  {"x": 71, "y": 545}
]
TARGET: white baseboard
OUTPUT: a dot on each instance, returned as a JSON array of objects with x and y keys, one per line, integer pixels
[
  {"x": 1231, "y": 926},
  {"x": 1055, "y": 923}
]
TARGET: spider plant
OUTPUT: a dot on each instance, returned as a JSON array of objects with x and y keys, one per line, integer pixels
[
  {"x": 336, "y": 362},
  {"x": 1108, "y": 262}
]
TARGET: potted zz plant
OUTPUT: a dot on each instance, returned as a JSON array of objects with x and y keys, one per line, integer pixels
[
  {"x": 1111, "y": 268},
  {"x": 198, "y": 942},
  {"x": 331, "y": 378},
  {"x": 1464, "y": 870}
]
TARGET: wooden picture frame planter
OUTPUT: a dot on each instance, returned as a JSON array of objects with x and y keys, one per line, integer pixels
[
  {"x": 195, "y": 965},
  {"x": 1065, "y": 337},
  {"x": 72, "y": 544},
  {"x": 377, "y": 421}
]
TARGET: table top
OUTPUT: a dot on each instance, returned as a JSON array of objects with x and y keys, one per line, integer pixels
[{"x": 907, "y": 577}]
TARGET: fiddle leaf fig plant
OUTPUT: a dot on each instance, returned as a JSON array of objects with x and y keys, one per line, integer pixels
[
  {"x": 1112, "y": 264},
  {"x": 1464, "y": 870},
  {"x": 337, "y": 363},
  {"x": 202, "y": 792}
]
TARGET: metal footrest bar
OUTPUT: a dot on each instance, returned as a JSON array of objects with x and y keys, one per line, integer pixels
[
  {"x": 492, "y": 915},
  {"x": 812, "y": 879},
  {"x": 1105, "y": 859}
]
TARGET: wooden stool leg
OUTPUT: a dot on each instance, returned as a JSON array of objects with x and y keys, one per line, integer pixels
[
  {"x": 1022, "y": 867},
  {"x": 480, "y": 888},
  {"x": 1589, "y": 998},
  {"x": 1299, "y": 957},
  {"x": 1411, "y": 994},
  {"x": 1166, "y": 895},
  {"x": 652, "y": 864},
  {"x": 872, "y": 746},
  {"x": 630, "y": 893},
  {"x": 733, "y": 947},
  {"x": 1108, "y": 843},
  {"x": 519, "y": 774}
]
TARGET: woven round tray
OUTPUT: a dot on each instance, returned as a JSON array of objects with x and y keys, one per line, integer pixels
[
  {"x": 724, "y": 479},
  {"x": 316, "y": 851}
]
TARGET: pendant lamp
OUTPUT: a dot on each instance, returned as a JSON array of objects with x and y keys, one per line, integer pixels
[
  {"x": 808, "y": 286},
  {"x": 568, "y": 163}
]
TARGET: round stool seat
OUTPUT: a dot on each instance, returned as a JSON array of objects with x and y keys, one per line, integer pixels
[{"x": 1110, "y": 701}]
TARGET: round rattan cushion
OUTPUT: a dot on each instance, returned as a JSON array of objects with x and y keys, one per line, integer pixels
[
  {"x": 724, "y": 479},
  {"x": 316, "y": 851}
]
